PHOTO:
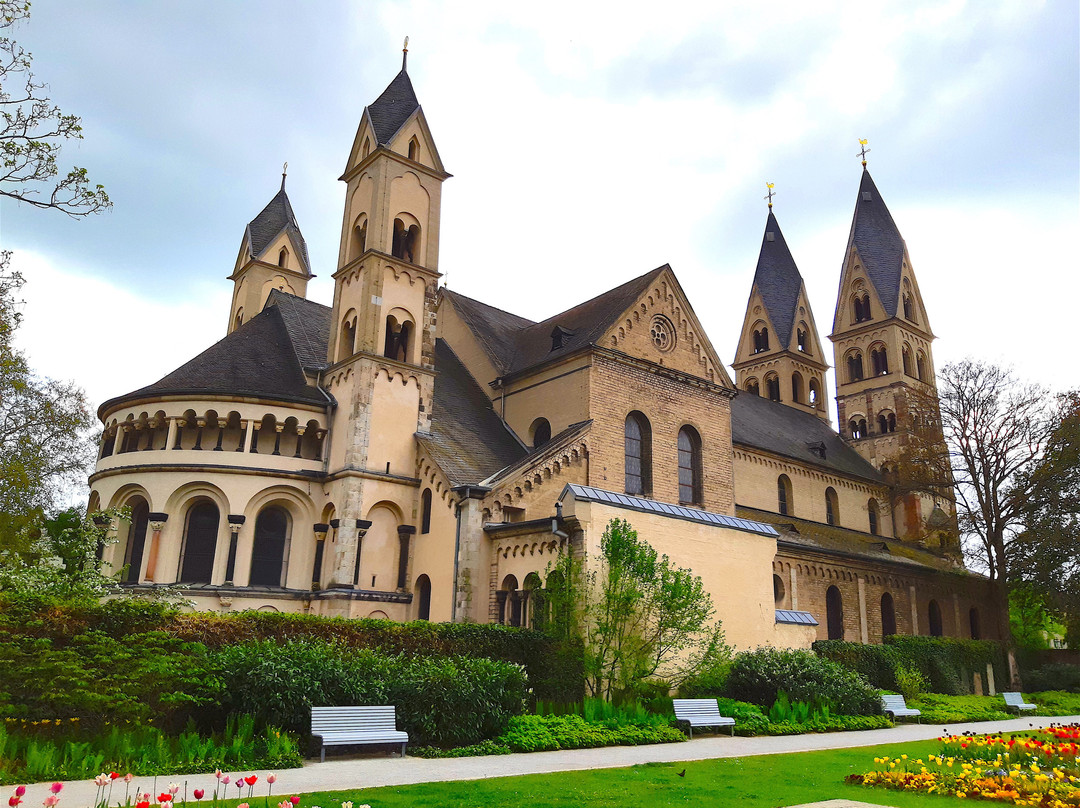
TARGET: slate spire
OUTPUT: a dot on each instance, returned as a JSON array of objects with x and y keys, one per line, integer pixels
[
  {"x": 877, "y": 239},
  {"x": 778, "y": 280},
  {"x": 272, "y": 220},
  {"x": 390, "y": 110}
]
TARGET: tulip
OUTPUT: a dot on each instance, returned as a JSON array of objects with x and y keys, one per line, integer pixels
[
  {"x": 164, "y": 797},
  {"x": 217, "y": 774},
  {"x": 20, "y": 791},
  {"x": 50, "y": 801},
  {"x": 224, "y": 779},
  {"x": 285, "y": 804},
  {"x": 243, "y": 805},
  {"x": 13, "y": 801},
  {"x": 143, "y": 804},
  {"x": 129, "y": 777},
  {"x": 173, "y": 788},
  {"x": 251, "y": 779},
  {"x": 101, "y": 780},
  {"x": 56, "y": 788},
  {"x": 199, "y": 793},
  {"x": 113, "y": 775},
  {"x": 271, "y": 778},
  {"x": 294, "y": 800}
]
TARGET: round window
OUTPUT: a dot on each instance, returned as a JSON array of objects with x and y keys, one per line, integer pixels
[{"x": 663, "y": 333}]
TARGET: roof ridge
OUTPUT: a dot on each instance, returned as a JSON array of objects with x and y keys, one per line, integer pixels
[{"x": 610, "y": 292}]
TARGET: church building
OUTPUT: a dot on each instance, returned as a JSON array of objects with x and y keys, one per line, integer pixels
[{"x": 411, "y": 453}]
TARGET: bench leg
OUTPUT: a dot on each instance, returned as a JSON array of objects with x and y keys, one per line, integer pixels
[
  {"x": 731, "y": 728},
  {"x": 322, "y": 753},
  {"x": 403, "y": 750}
]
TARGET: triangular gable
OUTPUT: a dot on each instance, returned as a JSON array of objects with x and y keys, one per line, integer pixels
[{"x": 757, "y": 314}]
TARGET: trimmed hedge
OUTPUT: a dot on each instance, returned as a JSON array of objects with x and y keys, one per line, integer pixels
[
  {"x": 1056, "y": 676},
  {"x": 946, "y": 663},
  {"x": 758, "y": 676}
]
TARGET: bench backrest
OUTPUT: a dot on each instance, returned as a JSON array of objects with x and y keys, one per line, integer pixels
[
  {"x": 343, "y": 719},
  {"x": 690, "y": 709},
  {"x": 894, "y": 701},
  {"x": 1013, "y": 699}
]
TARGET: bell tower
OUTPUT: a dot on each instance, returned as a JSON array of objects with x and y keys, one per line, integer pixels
[{"x": 779, "y": 354}]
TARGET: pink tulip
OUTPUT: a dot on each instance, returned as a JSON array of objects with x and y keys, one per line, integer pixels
[
  {"x": 101, "y": 780},
  {"x": 129, "y": 777},
  {"x": 56, "y": 788},
  {"x": 20, "y": 791},
  {"x": 224, "y": 779},
  {"x": 243, "y": 805},
  {"x": 285, "y": 804},
  {"x": 173, "y": 788},
  {"x": 217, "y": 774},
  {"x": 50, "y": 801},
  {"x": 271, "y": 778}
]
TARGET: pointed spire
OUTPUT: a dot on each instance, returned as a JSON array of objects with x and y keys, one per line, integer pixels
[
  {"x": 877, "y": 239},
  {"x": 272, "y": 220},
  {"x": 395, "y": 106},
  {"x": 777, "y": 280}
]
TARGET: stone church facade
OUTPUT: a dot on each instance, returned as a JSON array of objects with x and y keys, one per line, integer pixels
[{"x": 411, "y": 453}]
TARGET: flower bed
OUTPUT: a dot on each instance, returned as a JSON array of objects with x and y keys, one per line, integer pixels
[{"x": 1032, "y": 768}]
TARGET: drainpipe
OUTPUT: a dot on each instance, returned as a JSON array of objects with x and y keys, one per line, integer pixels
[
  {"x": 457, "y": 555},
  {"x": 557, "y": 521}
]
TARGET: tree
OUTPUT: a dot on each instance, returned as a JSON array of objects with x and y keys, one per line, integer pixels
[
  {"x": 638, "y": 615},
  {"x": 993, "y": 430},
  {"x": 32, "y": 132}
]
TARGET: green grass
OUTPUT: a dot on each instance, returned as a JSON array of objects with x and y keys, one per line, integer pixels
[{"x": 765, "y": 781}]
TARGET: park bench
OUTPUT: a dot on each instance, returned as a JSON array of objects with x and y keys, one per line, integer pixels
[
  {"x": 346, "y": 726},
  {"x": 1014, "y": 702},
  {"x": 701, "y": 713},
  {"x": 896, "y": 707}
]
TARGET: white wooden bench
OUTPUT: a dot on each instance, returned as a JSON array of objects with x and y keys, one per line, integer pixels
[
  {"x": 1015, "y": 702},
  {"x": 896, "y": 707},
  {"x": 701, "y": 713},
  {"x": 345, "y": 726}
]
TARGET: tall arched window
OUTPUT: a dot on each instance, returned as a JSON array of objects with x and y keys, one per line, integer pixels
[
  {"x": 855, "y": 366},
  {"x": 784, "y": 502},
  {"x": 540, "y": 432},
  {"x": 347, "y": 340},
  {"x": 425, "y": 511},
  {"x": 920, "y": 366},
  {"x": 406, "y": 242},
  {"x": 857, "y": 427},
  {"x": 423, "y": 598},
  {"x": 800, "y": 340},
  {"x": 414, "y": 149},
  {"x": 772, "y": 387},
  {"x": 396, "y": 343},
  {"x": 283, "y": 258},
  {"x": 832, "y": 506},
  {"x": 367, "y": 148},
  {"x": 268, "y": 550},
  {"x": 909, "y": 307},
  {"x": 360, "y": 236},
  {"x": 778, "y": 591},
  {"x": 200, "y": 543},
  {"x": 638, "y": 449},
  {"x": 761, "y": 339},
  {"x": 974, "y": 624},
  {"x": 888, "y": 616},
  {"x": 934, "y": 615},
  {"x": 862, "y": 308},
  {"x": 879, "y": 360},
  {"x": 834, "y": 612},
  {"x": 690, "y": 492},
  {"x": 136, "y": 542},
  {"x": 796, "y": 388},
  {"x": 872, "y": 510},
  {"x": 906, "y": 356},
  {"x": 752, "y": 387},
  {"x": 814, "y": 399}
]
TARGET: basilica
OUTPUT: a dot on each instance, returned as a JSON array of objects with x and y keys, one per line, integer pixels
[{"x": 410, "y": 453}]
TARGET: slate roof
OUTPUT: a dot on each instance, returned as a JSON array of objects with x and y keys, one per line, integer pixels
[
  {"x": 308, "y": 324},
  {"x": 467, "y": 439},
  {"x": 515, "y": 344},
  {"x": 390, "y": 110},
  {"x": 835, "y": 539},
  {"x": 780, "y": 429},
  {"x": 258, "y": 359},
  {"x": 881, "y": 247},
  {"x": 277, "y": 216},
  {"x": 778, "y": 281}
]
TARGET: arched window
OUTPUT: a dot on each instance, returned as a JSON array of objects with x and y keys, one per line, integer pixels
[
  {"x": 397, "y": 339},
  {"x": 888, "y": 616},
  {"x": 784, "y": 503},
  {"x": 815, "y": 394},
  {"x": 200, "y": 543},
  {"x": 425, "y": 511},
  {"x": 796, "y": 388},
  {"x": 906, "y": 354},
  {"x": 861, "y": 305},
  {"x": 360, "y": 236},
  {"x": 772, "y": 387},
  {"x": 778, "y": 591},
  {"x": 540, "y": 432},
  {"x": 879, "y": 360},
  {"x": 909, "y": 307},
  {"x": 690, "y": 492},
  {"x": 857, "y": 427},
  {"x": 638, "y": 447},
  {"x": 973, "y": 623},
  {"x": 239, "y": 318},
  {"x": 367, "y": 148},
  {"x": 268, "y": 550},
  {"x": 855, "y": 366},
  {"x": 509, "y": 602},
  {"x": 832, "y": 506},
  {"x": 920, "y": 366},
  {"x": 872, "y": 510},
  {"x": 406, "y": 242},
  {"x": 414, "y": 149},
  {"x": 423, "y": 598},
  {"x": 761, "y": 339},
  {"x": 347, "y": 340},
  {"x": 834, "y": 611},
  {"x": 136, "y": 541},
  {"x": 934, "y": 615},
  {"x": 283, "y": 258},
  {"x": 753, "y": 387},
  {"x": 800, "y": 340}
]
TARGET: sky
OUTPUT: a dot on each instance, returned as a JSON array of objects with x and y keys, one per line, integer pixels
[{"x": 587, "y": 147}]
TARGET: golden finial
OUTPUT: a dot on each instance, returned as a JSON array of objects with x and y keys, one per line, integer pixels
[
  {"x": 405, "y": 53},
  {"x": 863, "y": 151},
  {"x": 769, "y": 195}
]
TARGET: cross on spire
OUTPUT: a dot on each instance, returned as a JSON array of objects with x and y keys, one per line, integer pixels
[
  {"x": 769, "y": 195},
  {"x": 863, "y": 151}
]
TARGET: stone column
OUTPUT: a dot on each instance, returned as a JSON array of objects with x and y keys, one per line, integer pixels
[
  {"x": 404, "y": 533},
  {"x": 299, "y": 440},
  {"x": 156, "y": 523},
  {"x": 118, "y": 445},
  {"x": 321, "y": 530},
  {"x": 914, "y": 611},
  {"x": 170, "y": 437},
  {"x": 236, "y": 521},
  {"x": 278, "y": 429},
  {"x": 958, "y": 626},
  {"x": 180, "y": 424},
  {"x": 201, "y": 424},
  {"x": 248, "y": 426},
  {"x": 864, "y": 630},
  {"x": 256, "y": 429},
  {"x": 472, "y": 593},
  {"x": 362, "y": 527},
  {"x": 221, "y": 423},
  {"x": 793, "y": 575}
]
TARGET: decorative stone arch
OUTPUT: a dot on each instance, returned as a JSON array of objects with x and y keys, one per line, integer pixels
[
  {"x": 752, "y": 386},
  {"x": 759, "y": 337},
  {"x": 201, "y": 533},
  {"x": 378, "y": 563},
  {"x": 406, "y": 244},
  {"x": 399, "y": 335},
  {"x": 358, "y": 237},
  {"x": 296, "y": 546},
  {"x": 347, "y": 335},
  {"x": 853, "y": 360}
]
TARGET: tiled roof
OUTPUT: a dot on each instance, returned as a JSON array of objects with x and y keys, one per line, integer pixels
[
  {"x": 391, "y": 109},
  {"x": 257, "y": 360},
  {"x": 881, "y": 247},
  {"x": 758, "y": 423},
  {"x": 467, "y": 439},
  {"x": 308, "y": 324},
  {"x": 515, "y": 344},
  {"x": 277, "y": 216},
  {"x": 778, "y": 281}
]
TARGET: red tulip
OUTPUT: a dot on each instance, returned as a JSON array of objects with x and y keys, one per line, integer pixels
[
  {"x": 113, "y": 775},
  {"x": 294, "y": 800},
  {"x": 143, "y": 804},
  {"x": 251, "y": 779},
  {"x": 56, "y": 788},
  {"x": 164, "y": 797},
  {"x": 198, "y": 793},
  {"x": 20, "y": 791},
  {"x": 13, "y": 801}
]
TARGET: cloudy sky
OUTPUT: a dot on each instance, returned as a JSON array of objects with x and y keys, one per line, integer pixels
[{"x": 589, "y": 142}]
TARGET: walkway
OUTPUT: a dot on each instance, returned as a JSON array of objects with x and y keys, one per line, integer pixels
[{"x": 361, "y": 772}]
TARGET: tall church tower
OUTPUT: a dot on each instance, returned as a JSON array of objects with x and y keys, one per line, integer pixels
[
  {"x": 382, "y": 335},
  {"x": 779, "y": 354},
  {"x": 881, "y": 345},
  {"x": 273, "y": 255}
]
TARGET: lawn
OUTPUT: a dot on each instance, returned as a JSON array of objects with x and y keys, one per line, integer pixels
[{"x": 765, "y": 781}]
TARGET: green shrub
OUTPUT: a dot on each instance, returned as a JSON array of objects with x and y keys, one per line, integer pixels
[
  {"x": 707, "y": 683},
  {"x": 1056, "y": 702},
  {"x": 937, "y": 708},
  {"x": 1058, "y": 676},
  {"x": 877, "y": 663},
  {"x": 749, "y": 719},
  {"x": 534, "y": 733},
  {"x": 833, "y": 723},
  {"x": 910, "y": 682},
  {"x": 758, "y": 676},
  {"x": 446, "y": 701}
]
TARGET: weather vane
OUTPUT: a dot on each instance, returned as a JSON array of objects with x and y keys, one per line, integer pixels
[
  {"x": 863, "y": 151},
  {"x": 769, "y": 195},
  {"x": 405, "y": 53}
]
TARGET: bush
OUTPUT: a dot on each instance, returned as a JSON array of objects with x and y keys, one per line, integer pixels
[
  {"x": 706, "y": 683},
  {"x": 942, "y": 709},
  {"x": 535, "y": 733},
  {"x": 758, "y": 676},
  {"x": 1058, "y": 676},
  {"x": 877, "y": 663},
  {"x": 446, "y": 701},
  {"x": 1056, "y": 702},
  {"x": 910, "y": 682},
  {"x": 833, "y": 723},
  {"x": 749, "y": 720}
]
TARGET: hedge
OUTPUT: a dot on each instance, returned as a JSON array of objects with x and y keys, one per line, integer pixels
[{"x": 758, "y": 677}]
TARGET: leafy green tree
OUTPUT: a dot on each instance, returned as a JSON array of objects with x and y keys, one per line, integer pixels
[
  {"x": 32, "y": 132},
  {"x": 639, "y": 616}
]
